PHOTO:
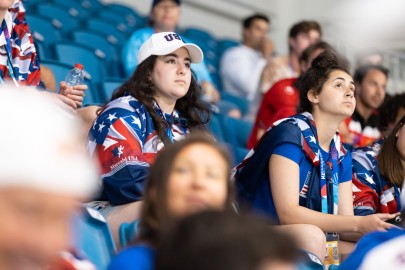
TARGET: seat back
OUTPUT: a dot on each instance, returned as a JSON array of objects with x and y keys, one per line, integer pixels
[
  {"x": 58, "y": 15},
  {"x": 44, "y": 33},
  {"x": 93, "y": 238},
  {"x": 115, "y": 36},
  {"x": 102, "y": 47},
  {"x": 109, "y": 85}
]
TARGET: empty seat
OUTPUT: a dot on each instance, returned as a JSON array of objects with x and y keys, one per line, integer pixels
[
  {"x": 44, "y": 33},
  {"x": 59, "y": 16},
  {"x": 114, "y": 35},
  {"x": 102, "y": 46},
  {"x": 93, "y": 238}
]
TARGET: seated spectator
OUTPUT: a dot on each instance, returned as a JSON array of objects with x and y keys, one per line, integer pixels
[
  {"x": 44, "y": 175},
  {"x": 380, "y": 250},
  {"x": 164, "y": 17},
  {"x": 158, "y": 105},
  {"x": 19, "y": 62},
  {"x": 243, "y": 68},
  {"x": 225, "y": 241},
  {"x": 299, "y": 172},
  {"x": 378, "y": 174},
  {"x": 281, "y": 100},
  {"x": 361, "y": 128},
  {"x": 187, "y": 177}
]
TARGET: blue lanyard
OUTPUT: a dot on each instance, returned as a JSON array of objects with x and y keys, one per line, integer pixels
[{"x": 9, "y": 56}]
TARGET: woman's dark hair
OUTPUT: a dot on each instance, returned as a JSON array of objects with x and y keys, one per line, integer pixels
[
  {"x": 222, "y": 240},
  {"x": 155, "y": 218},
  {"x": 390, "y": 109},
  {"x": 389, "y": 162},
  {"x": 142, "y": 88},
  {"x": 316, "y": 76}
]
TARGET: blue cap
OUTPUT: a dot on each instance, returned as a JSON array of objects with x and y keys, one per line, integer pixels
[{"x": 155, "y": 2}]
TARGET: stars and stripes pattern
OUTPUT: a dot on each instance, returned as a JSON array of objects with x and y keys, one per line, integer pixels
[
  {"x": 372, "y": 193},
  {"x": 24, "y": 58},
  {"x": 125, "y": 142},
  {"x": 324, "y": 193}
]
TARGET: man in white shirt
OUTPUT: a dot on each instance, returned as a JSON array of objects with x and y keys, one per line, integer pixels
[{"x": 243, "y": 67}]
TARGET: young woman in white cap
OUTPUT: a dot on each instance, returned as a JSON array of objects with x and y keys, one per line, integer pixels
[{"x": 158, "y": 105}]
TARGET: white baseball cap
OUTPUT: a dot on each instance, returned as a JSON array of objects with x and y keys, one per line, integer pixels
[
  {"x": 166, "y": 42},
  {"x": 42, "y": 145}
]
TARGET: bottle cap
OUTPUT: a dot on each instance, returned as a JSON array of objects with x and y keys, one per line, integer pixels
[{"x": 79, "y": 66}]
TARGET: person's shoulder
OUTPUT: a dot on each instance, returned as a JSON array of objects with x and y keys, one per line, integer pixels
[
  {"x": 285, "y": 132},
  {"x": 235, "y": 51},
  {"x": 141, "y": 34},
  {"x": 283, "y": 86}
]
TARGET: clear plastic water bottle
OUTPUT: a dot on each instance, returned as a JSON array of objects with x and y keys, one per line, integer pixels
[{"x": 75, "y": 76}]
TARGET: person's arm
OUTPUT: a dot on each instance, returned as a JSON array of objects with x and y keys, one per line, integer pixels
[{"x": 284, "y": 175}]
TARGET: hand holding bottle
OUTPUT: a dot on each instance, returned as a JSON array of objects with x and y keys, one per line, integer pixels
[{"x": 73, "y": 87}]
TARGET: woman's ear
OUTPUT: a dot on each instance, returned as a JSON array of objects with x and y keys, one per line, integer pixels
[{"x": 312, "y": 97}]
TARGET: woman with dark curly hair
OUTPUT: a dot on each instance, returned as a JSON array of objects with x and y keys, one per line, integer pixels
[
  {"x": 158, "y": 105},
  {"x": 300, "y": 174}
]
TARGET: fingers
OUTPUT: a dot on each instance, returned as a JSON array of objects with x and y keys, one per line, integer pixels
[
  {"x": 387, "y": 216},
  {"x": 75, "y": 93}
]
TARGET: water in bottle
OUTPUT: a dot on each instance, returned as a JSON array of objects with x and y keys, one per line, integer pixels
[{"x": 75, "y": 76}]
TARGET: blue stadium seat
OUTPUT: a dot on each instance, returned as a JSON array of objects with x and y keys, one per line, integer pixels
[
  {"x": 109, "y": 85},
  {"x": 58, "y": 15},
  {"x": 114, "y": 35},
  {"x": 127, "y": 232},
  {"x": 201, "y": 36},
  {"x": 93, "y": 238},
  {"x": 242, "y": 104},
  {"x": 74, "y": 8},
  {"x": 92, "y": 5},
  {"x": 225, "y": 44},
  {"x": 133, "y": 17},
  {"x": 236, "y": 133},
  {"x": 216, "y": 128},
  {"x": 102, "y": 46},
  {"x": 120, "y": 22},
  {"x": 60, "y": 70},
  {"x": 238, "y": 129},
  {"x": 44, "y": 33}
]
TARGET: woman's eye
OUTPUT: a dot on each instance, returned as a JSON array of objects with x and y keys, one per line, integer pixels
[
  {"x": 187, "y": 65},
  {"x": 181, "y": 170},
  {"x": 171, "y": 61},
  {"x": 339, "y": 85}
]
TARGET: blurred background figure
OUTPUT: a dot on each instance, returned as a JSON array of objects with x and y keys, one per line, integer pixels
[
  {"x": 378, "y": 174},
  {"x": 244, "y": 68},
  {"x": 361, "y": 128},
  {"x": 226, "y": 241},
  {"x": 44, "y": 175}
]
